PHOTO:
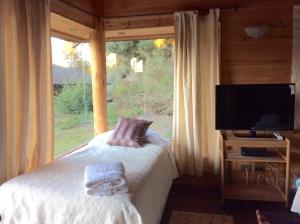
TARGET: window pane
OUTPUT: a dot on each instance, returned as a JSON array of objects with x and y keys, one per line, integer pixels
[
  {"x": 72, "y": 95},
  {"x": 140, "y": 82}
]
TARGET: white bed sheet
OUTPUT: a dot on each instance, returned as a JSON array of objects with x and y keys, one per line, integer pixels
[
  {"x": 296, "y": 203},
  {"x": 55, "y": 193}
]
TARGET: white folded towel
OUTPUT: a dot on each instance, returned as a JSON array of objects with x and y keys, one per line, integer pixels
[{"x": 105, "y": 179}]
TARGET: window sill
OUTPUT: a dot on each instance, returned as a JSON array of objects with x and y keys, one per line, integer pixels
[{"x": 69, "y": 152}]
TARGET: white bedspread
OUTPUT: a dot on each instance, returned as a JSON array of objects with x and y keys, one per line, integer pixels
[
  {"x": 296, "y": 203},
  {"x": 55, "y": 193}
]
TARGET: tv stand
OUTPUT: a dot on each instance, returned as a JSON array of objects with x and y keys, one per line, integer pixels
[
  {"x": 257, "y": 178},
  {"x": 253, "y": 135}
]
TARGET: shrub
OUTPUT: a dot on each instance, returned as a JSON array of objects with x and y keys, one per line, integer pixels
[
  {"x": 147, "y": 92},
  {"x": 158, "y": 84},
  {"x": 74, "y": 99},
  {"x": 68, "y": 122},
  {"x": 112, "y": 116}
]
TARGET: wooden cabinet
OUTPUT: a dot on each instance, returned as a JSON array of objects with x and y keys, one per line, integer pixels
[{"x": 254, "y": 178}]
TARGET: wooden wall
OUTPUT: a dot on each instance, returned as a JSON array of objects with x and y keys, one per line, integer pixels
[
  {"x": 244, "y": 59},
  {"x": 264, "y": 60}
]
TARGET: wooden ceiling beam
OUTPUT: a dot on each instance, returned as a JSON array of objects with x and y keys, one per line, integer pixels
[
  {"x": 140, "y": 33},
  {"x": 75, "y": 12},
  {"x": 138, "y": 22},
  {"x": 67, "y": 29}
]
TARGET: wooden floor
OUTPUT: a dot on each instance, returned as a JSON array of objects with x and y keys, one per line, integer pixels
[{"x": 203, "y": 195}]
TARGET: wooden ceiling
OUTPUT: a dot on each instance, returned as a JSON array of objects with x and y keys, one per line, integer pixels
[
  {"x": 147, "y": 28},
  {"x": 121, "y": 8},
  {"x": 67, "y": 29},
  {"x": 80, "y": 11},
  {"x": 84, "y": 11}
]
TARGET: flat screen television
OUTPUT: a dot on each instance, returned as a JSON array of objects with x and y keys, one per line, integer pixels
[{"x": 267, "y": 107}]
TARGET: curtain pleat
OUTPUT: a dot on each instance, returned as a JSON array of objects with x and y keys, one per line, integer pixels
[
  {"x": 195, "y": 142},
  {"x": 26, "y": 105},
  {"x": 295, "y": 64}
]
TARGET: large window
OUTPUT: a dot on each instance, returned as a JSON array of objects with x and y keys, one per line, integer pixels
[
  {"x": 140, "y": 82},
  {"x": 72, "y": 95}
]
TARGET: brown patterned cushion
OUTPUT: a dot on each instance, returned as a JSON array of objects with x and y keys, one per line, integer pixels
[{"x": 129, "y": 132}]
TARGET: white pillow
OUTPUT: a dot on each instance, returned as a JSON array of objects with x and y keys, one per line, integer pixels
[
  {"x": 151, "y": 137},
  {"x": 154, "y": 137},
  {"x": 102, "y": 138}
]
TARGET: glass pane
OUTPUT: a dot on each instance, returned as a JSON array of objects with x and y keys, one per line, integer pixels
[
  {"x": 72, "y": 95},
  {"x": 140, "y": 82}
]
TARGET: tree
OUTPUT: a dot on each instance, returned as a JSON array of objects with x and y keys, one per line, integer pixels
[
  {"x": 150, "y": 91},
  {"x": 140, "y": 49},
  {"x": 75, "y": 59}
]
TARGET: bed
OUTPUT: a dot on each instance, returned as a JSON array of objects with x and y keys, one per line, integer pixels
[
  {"x": 55, "y": 193},
  {"x": 296, "y": 203}
]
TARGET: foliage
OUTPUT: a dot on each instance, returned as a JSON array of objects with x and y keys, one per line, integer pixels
[
  {"x": 74, "y": 99},
  {"x": 117, "y": 73},
  {"x": 137, "y": 93},
  {"x": 112, "y": 115},
  {"x": 158, "y": 84},
  {"x": 133, "y": 94},
  {"x": 74, "y": 59}
]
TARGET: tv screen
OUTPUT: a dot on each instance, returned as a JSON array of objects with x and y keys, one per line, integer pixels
[{"x": 255, "y": 107}]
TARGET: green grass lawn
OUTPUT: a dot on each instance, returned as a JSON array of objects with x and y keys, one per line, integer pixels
[{"x": 72, "y": 131}]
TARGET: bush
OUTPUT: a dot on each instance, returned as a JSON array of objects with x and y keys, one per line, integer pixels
[
  {"x": 112, "y": 116},
  {"x": 68, "y": 122},
  {"x": 158, "y": 84},
  {"x": 135, "y": 94},
  {"x": 74, "y": 99}
]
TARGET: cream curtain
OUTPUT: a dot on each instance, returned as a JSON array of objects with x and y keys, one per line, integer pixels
[
  {"x": 296, "y": 62},
  {"x": 26, "y": 94},
  {"x": 196, "y": 74},
  {"x": 97, "y": 41}
]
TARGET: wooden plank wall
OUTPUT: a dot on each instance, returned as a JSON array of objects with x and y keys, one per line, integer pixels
[{"x": 264, "y": 60}]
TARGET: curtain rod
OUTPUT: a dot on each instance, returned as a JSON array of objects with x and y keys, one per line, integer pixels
[
  {"x": 236, "y": 7},
  {"x": 137, "y": 16}
]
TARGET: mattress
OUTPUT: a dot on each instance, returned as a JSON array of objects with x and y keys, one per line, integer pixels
[{"x": 55, "y": 193}]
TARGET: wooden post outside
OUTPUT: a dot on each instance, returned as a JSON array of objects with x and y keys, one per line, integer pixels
[{"x": 97, "y": 40}]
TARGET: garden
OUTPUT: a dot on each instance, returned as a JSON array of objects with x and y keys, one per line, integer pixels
[{"x": 147, "y": 93}]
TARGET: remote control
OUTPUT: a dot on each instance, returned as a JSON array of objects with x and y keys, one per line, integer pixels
[{"x": 278, "y": 136}]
